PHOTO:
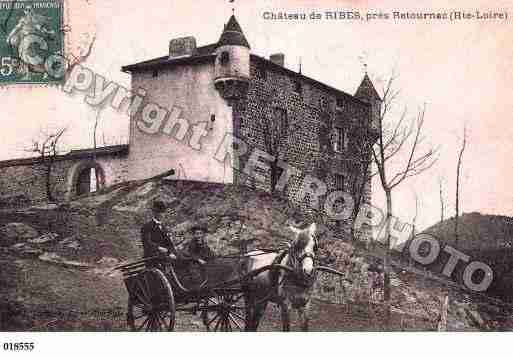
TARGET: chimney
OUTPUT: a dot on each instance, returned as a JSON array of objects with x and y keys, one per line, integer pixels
[
  {"x": 183, "y": 46},
  {"x": 278, "y": 59}
]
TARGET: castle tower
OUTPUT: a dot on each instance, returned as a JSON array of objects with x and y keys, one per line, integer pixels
[
  {"x": 232, "y": 62},
  {"x": 368, "y": 93}
]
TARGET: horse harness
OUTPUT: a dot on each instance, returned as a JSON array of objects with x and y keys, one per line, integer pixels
[{"x": 296, "y": 278}]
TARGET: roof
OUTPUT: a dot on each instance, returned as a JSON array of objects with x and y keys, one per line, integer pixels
[
  {"x": 232, "y": 34},
  {"x": 116, "y": 150},
  {"x": 205, "y": 56},
  {"x": 366, "y": 90},
  {"x": 310, "y": 80},
  {"x": 201, "y": 55}
]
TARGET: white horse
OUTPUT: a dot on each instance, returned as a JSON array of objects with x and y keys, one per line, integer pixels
[{"x": 284, "y": 288}]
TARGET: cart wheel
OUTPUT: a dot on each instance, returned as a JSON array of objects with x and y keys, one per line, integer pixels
[
  {"x": 151, "y": 304},
  {"x": 224, "y": 313}
]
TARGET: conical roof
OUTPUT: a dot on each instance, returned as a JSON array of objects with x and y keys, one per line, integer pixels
[
  {"x": 232, "y": 34},
  {"x": 366, "y": 90}
]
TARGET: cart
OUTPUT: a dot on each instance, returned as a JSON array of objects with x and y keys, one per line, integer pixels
[{"x": 214, "y": 290}]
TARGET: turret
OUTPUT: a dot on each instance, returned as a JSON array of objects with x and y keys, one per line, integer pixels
[
  {"x": 232, "y": 62},
  {"x": 366, "y": 92}
]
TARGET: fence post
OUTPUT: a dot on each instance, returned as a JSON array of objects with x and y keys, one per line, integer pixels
[{"x": 444, "y": 308}]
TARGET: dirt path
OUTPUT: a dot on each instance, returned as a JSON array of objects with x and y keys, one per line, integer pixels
[{"x": 45, "y": 297}]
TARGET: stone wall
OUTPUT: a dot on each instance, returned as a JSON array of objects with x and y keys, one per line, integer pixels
[
  {"x": 23, "y": 182},
  {"x": 311, "y": 116}
]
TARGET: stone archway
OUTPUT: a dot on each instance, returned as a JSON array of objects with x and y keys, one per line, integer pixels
[{"x": 80, "y": 178}]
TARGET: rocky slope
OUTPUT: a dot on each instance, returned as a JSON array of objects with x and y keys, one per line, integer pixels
[{"x": 90, "y": 235}]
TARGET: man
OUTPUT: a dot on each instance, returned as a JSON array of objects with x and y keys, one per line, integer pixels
[
  {"x": 155, "y": 239},
  {"x": 198, "y": 248}
]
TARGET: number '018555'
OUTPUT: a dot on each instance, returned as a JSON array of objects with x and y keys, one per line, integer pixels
[{"x": 21, "y": 346}]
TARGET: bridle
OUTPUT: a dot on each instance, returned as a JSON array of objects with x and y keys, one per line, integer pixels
[{"x": 295, "y": 261}]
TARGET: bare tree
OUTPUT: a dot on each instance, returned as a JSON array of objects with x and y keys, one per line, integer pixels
[
  {"x": 47, "y": 148},
  {"x": 74, "y": 60},
  {"x": 393, "y": 138},
  {"x": 458, "y": 171},
  {"x": 274, "y": 129},
  {"x": 362, "y": 173},
  {"x": 442, "y": 199},
  {"x": 95, "y": 130},
  {"x": 414, "y": 222}
]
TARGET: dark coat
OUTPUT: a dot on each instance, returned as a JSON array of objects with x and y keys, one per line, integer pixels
[
  {"x": 199, "y": 251},
  {"x": 154, "y": 235}
]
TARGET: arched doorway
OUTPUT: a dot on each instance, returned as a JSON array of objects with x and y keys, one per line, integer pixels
[
  {"x": 85, "y": 178},
  {"x": 87, "y": 181}
]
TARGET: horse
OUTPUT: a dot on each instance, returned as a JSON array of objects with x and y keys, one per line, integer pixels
[{"x": 282, "y": 287}]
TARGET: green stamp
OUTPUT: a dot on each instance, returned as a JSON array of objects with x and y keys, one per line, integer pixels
[{"x": 31, "y": 42}]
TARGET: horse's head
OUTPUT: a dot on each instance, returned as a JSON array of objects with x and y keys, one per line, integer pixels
[{"x": 303, "y": 249}]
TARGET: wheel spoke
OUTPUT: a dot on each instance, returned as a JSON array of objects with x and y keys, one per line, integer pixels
[
  {"x": 146, "y": 296},
  {"x": 230, "y": 316},
  {"x": 149, "y": 326},
  {"x": 238, "y": 316},
  {"x": 217, "y": 324},
  {"x": 159, "y": 320},
  {"x": 142, "y": 325},
  {"x": 141, "y": 299},
  {"x": 214, "y": 318},
  {"x": 228, "y": 324},
  {"x": 156, "y": 323},
  {"x": 149, "y": 290},
  {"x": 139, "y": 317},
  {"x": 162, "y": 321},
  {"x": 140, "y": 312}
]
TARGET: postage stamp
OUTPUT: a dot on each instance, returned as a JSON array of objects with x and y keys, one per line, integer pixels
[{"x": 31, "y": 42}]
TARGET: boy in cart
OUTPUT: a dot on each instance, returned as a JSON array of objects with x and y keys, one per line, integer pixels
[{"x": 198, "y": 248}]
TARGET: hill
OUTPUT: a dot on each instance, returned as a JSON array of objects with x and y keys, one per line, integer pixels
[
  {"x": 476, "y": 232},
  {"x": 57, "y": 258},
  {"x": 486, "y": 238}
]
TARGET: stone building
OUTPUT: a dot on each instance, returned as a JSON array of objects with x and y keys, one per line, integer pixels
[
  {"x": 196, "y": 98},
  {"x": 23, "y": 181},
  {"x": 313, "y": 127}
]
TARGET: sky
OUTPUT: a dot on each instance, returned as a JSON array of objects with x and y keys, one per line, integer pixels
[{"x": 461, "y": 71}]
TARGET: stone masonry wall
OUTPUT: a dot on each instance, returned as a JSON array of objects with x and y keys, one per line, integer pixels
[
  {"x": 25, "y": 184},
  {"x": 311, "y": 116}
]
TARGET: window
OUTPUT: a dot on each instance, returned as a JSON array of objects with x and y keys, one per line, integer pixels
[
  {"x": 280, "y": 115},
  {"x": 340, "y": 182},
  {"x": 276, "y": 129},
  {"x": 281, "y": 121},
  {"x": 155, "y": 73},
  {"x": 224, "y": 58},
  {"x": 339, "y": 139},
  {"x": 298, "y": 87},
  {"x": 261, "y": 72},
  {"x": 340, "y": 102}
]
